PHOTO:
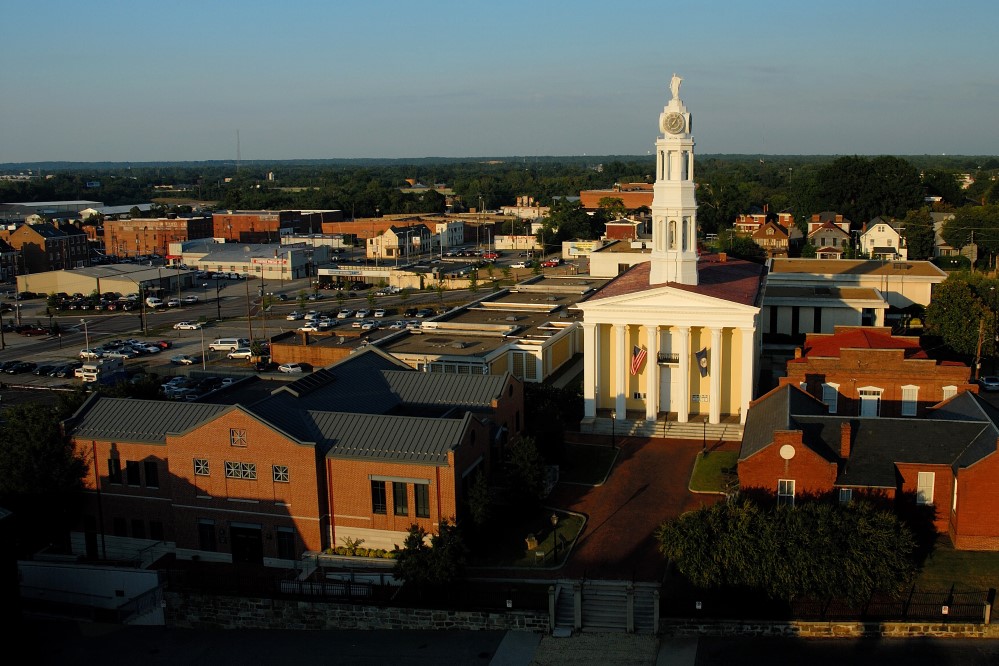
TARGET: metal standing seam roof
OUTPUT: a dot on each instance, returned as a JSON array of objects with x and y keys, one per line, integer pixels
[
  {"x": 132, "y": 420},
  {"x": 439, "y": 388},
  {"x": 424, "y": 441},
  {"x": 774, "y": 412}
]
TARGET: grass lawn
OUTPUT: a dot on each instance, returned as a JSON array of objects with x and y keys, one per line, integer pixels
[
  {"x": 965, "y": 570},
  {"x": 507, "y": 545},
  {"x": 586, "y": 463},
  {"x": 714, "y": 472}
]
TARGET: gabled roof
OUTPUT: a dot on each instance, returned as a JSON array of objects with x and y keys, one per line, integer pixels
[
  {"x": 960, "y": 432},
  {"x": 424, "y": 441},
  {"x": 733, "y": 280},
  {"x": 831, "y": 346},
  {"x": 132, "y": 420},
  {"x": 828, "y": 226}
]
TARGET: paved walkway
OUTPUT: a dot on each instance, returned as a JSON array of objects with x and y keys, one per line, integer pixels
[{"x": 647, "y": 486}]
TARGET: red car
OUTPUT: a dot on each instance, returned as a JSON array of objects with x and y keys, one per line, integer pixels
[
  {"x": 551, "y": 263},
  {"x": 491, "y": 255},
  {"x": 34, "y": 330}
]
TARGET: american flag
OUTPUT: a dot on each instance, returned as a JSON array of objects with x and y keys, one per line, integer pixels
[{"x": 638, "y": 355}]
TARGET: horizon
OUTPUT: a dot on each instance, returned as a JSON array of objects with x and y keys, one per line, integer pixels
[{"x": 377, "y": 81}]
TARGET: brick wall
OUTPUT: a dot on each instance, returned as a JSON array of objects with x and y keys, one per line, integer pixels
[
  {"x": 974, "y": 525},
  {"x": 690, "y": 628},
  {"x": 811, "y": 472}
]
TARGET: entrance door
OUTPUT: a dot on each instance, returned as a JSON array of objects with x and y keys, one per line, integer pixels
[
  {"x": 247, "y": 545},
  {"x": 870, "y": 402},
  {"x": 669, "y": 380}
]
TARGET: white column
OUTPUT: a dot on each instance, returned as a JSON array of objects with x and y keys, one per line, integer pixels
[
  {"x": 652, "y": 374},
  {"x": 621, "y": 370},
  {"x": 591, "y": 363},
  {"x": 748, "y": 371},
  {"x": 683, "y": 399},
  {"x": 714, "y": 381}
]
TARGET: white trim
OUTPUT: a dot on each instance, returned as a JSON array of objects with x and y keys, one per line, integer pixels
[{"x": 910, "y": 400}]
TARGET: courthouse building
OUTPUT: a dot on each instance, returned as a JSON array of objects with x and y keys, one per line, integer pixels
[{"x": 676, "y": 337}]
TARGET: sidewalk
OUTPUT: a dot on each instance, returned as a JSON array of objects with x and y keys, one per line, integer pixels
[{"x": 598, "y": 649}]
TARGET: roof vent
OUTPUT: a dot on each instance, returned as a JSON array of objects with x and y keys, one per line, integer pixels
[{"x": 458, "y": 344}]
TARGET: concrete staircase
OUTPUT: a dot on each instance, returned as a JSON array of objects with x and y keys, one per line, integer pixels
[
  {"x": 710, "y": 432},
  {"x": 606, "y": 606}
]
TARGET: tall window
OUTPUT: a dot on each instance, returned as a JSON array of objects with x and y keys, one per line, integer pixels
[
  {"x": 910, "y": 399},
  {"x": 924, "y": 487},
  {"x": 845, "y": 495},
  {"x": 114, "y": 470},
  {"x": 785, "y": 492},
  {"x": 152, "y": 471},
  {"x": 286, "y": 543},
  {"x": 421, "y": 497},
  {"x": 206, "y": 535},
  {"x": 378, "y": 502},
  {"x": 400, "y": 502},
  {"x": 133, "y": 476}
]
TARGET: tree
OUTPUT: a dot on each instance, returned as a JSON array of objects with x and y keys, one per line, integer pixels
[
  {"x": 917, "y": 227},
  {"x": 944, "y": 184},
  {"x": 816, "y": 549},
  {"x": 613, "y": 207},
  {"x": 41, "y": 475},
  {"x": 743, "y": 247},
  {"x": 954, "y": 315},
  {"x": 437, "y": 564},
  {"x": 863, "y": 188},
  {"x": 525, "y": 469},
  {"x": 480, "y": 500}
]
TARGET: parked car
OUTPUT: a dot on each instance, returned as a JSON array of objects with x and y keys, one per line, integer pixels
[
  {"x": 182, "y": 359},
  {"x": 362, "y": 313},
  {"x": 424, "y": 312},
  {"x": 551, "y": 263},
  {"x": 190, "y": 300},
  {"x": 295, "y": 315},
  {"x": 380, "y": 312},
  {"x": 22, "y": 366},
  {"x": 44, "y": 370},
  {"x": 66, "y": 369},
  {"x": 520, "y": 264},
  {"x": 369, "y": 325},
  {"x": 174, "y": 303},
  {"x": 291, "y": 367},
  {"x": 240, "y": 352},
  {"x": 344, "y": 314},
  {"x": 989, "y": 383},
  {"x": 33, "y": 330},
  {"x": 91, "y": 353},
  {"x": 187, "y": 325}
]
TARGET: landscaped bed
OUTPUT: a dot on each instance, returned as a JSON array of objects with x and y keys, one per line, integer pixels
[
  {"x": 714, "y": 472},
  {"x": 507, "y": 541}
]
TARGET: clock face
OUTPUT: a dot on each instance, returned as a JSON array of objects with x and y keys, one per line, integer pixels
[{"x": 674, "y": 123}]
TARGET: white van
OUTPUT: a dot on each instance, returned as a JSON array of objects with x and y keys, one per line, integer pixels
[{"x": 229, "y": 344}]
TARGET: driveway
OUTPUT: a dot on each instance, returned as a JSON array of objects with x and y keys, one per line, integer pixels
[{"x": 647, "y": 486}]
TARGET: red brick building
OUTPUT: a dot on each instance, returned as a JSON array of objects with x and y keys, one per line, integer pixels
[
  {"x": 632, "y": 195},
  {"x": 364, "y": 448},
  {"x": 946, "y": 463},
  {"x": 867, "y": 371},
  {"x": 776, "y": 239},
  {"x": 146, "y": 236},
  {"x": 42, "y": 247},
  {"x": 266, "y": 226}
]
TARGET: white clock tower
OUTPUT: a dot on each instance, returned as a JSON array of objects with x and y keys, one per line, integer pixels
[{"x": 674, "y": 205}]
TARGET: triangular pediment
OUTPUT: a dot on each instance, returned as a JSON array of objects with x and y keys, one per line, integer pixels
[{"x": 664, "y": 299}]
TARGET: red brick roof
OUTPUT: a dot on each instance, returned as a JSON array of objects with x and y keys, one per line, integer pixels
[{"x": 733, "y": 280}]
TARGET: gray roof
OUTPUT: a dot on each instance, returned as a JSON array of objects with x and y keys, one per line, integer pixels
[
  {"x": 959, "y": 433},
  {"x": 473, "y": 392},
  {"x": 139, "y": 420},
  {"x": 390, "y": 438},
  {"x": 774, "y": 412}
]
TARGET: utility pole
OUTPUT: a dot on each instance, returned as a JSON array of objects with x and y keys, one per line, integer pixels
[{"x": 978, "y": 350}]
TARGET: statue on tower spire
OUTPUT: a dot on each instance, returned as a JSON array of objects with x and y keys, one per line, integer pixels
[{"x": 674, "y": 85}]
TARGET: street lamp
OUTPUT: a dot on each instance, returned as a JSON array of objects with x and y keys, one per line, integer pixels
[
  {"x": 86, "y": 334},
  {"x": 704, "y": 437},
  {"x": 613, "y": 428},
  {"x": 554, "y": 519}
]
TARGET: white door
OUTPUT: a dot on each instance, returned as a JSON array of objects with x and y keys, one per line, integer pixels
[{"x": 669, "y": 378}]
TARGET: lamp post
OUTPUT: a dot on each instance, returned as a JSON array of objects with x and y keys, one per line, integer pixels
[
  {"x": 218, "y": 297},
  {"x": 554, "y": 519},
  {"x": 613, "y": 428},
  {"x": 86, "y": 334},
  {"x": 704, "y": 438}
]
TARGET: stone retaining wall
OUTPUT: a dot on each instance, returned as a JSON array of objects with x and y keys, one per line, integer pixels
[
  {"x": 691, "y": 628},
  {"x": 196, "y": 611}
]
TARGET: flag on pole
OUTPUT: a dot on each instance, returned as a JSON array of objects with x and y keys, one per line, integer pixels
[
  {"x": 638, "y": 355},
  {"x": 702, "y": 361}
]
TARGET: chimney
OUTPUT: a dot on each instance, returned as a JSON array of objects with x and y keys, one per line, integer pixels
[
  {"x": 797, "y": 352},
  {"x": 845, "y": 431},
  {"x": 722, "y": 257}
]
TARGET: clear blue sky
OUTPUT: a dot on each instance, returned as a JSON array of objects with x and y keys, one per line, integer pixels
[{"x": 134, "y": 80}]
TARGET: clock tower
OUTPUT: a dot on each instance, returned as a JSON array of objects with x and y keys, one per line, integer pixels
[{"x": 674, "y": 205}]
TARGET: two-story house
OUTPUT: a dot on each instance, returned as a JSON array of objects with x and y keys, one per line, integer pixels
[
  {"x": 829, "y": 233},
  {"x": 882, "y": 239}
]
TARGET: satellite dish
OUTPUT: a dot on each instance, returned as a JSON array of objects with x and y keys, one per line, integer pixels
[{"x": 787, "y": 452}]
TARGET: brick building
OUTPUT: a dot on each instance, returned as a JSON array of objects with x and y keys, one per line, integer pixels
[
  {"x": 145, "y": 236},
  {"x": 43, "y": 247},
  {"x": 945, "y": 463},
  {"x": 867, "y": 371},
  {"x": 632, "y": 195},
  {"x": 265, "y": 226},
  {"x": 364, "y": 448}
]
